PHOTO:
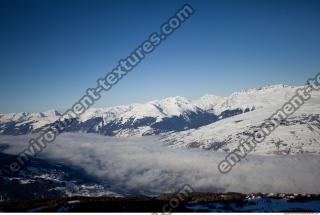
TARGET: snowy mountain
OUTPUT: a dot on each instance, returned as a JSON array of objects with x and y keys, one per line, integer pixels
[
  {"x": 211, "y": 126},
  {"x": 174, "y": 114},
  {"x": 299, "y": 134},
  {"x": 154, "y": 117}
]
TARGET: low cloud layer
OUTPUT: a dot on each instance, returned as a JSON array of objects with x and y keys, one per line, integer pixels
[{"x": 147, "y": 166}]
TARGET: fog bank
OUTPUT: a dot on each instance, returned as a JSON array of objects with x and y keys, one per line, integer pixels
[{"x": 147, "y": 166}]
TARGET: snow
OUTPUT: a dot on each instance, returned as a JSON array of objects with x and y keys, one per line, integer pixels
[
  {"x": 210, "y": 102},
  {"x": 74, "y": 202},
  {"x": 296, "y": 137},
  {"x": 264, "y": 98},
  {"x": 258, "y": 205}
]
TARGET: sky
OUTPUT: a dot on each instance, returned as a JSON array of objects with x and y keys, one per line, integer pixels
[{"x": 51, "y": 51}]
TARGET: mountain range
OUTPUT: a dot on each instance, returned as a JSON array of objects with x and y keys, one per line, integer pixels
[
  {"x": 210, "y": 122},
  {"x": 154, "y": 117}
]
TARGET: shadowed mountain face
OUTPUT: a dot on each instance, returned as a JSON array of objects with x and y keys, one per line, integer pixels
[{"x": 130, "y": 126}]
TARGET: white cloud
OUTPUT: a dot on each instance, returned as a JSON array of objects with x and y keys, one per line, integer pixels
[{"x": 144, "y": 165}]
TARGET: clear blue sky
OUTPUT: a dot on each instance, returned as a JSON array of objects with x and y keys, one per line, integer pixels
[{"x": 52, "y": 50}]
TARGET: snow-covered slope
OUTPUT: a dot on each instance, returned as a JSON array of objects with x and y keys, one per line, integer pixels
[
  {"x": 300, "y": 133},
  {"x": 160, "y": 116},
  {"x": 256, "y": 98}
]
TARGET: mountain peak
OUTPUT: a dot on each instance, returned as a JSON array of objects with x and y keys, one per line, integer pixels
[
  {"x": 51, "y": 112},
  {"x": 175, "y": 99},
  {"x": 275, "y": 86},
  {"x": 267, "y": 88}
]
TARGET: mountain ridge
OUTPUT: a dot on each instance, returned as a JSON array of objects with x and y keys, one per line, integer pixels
[
  {"x": 175, "y": 113},
  {"x": 59, "y": 112}
]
